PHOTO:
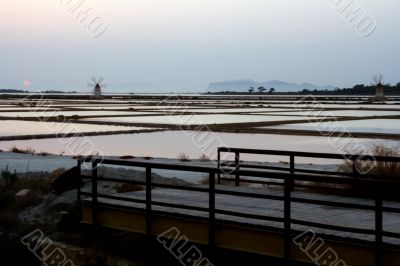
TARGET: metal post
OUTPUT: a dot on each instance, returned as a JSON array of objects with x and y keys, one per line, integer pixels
[
  {"x": 94, "y": 193},
  {"x": 219, "y": 168},
  {"x": 237, "y": 161},
  {"x": 211, "y": 209},
  {"x": 292, "y": 167},
  {"x": 354, "y": 166},
  {"x": 78, "y": 172},
  {"x": 148, "y": 201},
  {"x": 287, "y": 217},
  {"x": 378, "y": 230},
  {"x": 353, "y": 186}
]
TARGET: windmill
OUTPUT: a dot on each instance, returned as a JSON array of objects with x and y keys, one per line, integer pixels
[
  {"x": 97, "y": 85},
  {"x": 378, "y": 82}
]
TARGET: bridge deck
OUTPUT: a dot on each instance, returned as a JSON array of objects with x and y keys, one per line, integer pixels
[{"x": 258, "y": 236}]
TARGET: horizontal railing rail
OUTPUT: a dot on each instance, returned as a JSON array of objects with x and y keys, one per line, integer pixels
[
  {"x": 312, "y": 154},
  {"x": 291, "y": 168}
]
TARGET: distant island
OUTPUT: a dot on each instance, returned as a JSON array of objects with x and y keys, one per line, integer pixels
[{"x": 281, "y": 87}]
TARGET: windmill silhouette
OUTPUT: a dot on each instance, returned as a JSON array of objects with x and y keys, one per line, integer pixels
[
  {"x": 378, "y": 82},
  {"x": 97, "y": 85}
]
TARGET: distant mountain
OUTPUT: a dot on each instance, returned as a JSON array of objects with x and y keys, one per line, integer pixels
[
  {"x": 280, "y": 86},
  {"x": 12, "y": 91}
]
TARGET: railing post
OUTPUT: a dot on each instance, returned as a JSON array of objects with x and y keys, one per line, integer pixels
[
  {"x": 287, "y": 216},
  {"x": 237, "y": 161},
  {"x": 354, "y": 168},
  {"x": 211, "y": 210},
  {"x": 94, "y": 193},
  {"x": 378, "y": 228},
  {"x": 78, "y": 172},
  {"x": 219, "y": 167},
  {"x": 292, "y": 167},
  {"x": 148, "y": 201}
]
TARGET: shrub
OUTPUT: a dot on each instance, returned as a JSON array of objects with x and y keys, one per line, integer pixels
[
  {"x": 127, "y": 157},
  {"x": 204, "y": 157},
  {"x": 387, "y": 171},
  {"x": 183, "y": 157},
  {"x": 24, "y": 151},
  {"x": 43, "y": 153},
  {"x": 375, "y": 168},
  {"x": 8, "y": 177},
  {"x": 124, "y": 188}
]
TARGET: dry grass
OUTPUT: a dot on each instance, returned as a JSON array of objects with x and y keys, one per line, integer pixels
[
  {"x": 204, "y": 157},
  {"x": 8, "y": 177},
  {"x": 43, "y": 153},
  {"x": 124, "y": 188},
  {"x": 375, "y": 168},
  {"x": 127, "y": 157},
  {"x": 183, "y": 157},
  {"x": 387, "y": 171},
  {"x": 24, "y": 151}
]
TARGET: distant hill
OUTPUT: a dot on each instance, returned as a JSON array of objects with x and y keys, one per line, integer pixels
[
  {"x": 12, "y": 91},
  {"x": 279, "y": 86}
]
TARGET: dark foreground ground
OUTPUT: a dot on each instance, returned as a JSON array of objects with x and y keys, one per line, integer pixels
[{"x": 58, "y": 218}]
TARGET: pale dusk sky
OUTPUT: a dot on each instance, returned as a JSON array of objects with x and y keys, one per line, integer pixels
[{"x": 183, "y": 45}]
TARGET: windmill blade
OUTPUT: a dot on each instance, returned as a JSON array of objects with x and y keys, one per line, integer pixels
[
  {"x": 101, "y": 79},
  {"x": 380, "y": 78},
  {"x": 94, "y": 80},
  {"x": 90, "y": 85}
]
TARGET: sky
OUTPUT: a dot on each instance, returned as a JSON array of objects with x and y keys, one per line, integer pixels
[{"x": 183, "y": 45}]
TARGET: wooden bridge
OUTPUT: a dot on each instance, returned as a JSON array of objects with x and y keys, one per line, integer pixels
[{"x": 358, "y": 230}]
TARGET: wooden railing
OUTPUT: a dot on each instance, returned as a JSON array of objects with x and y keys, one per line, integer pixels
[
  {"x": 288, "y": 182},
  {"x": 237, "y": 163}
]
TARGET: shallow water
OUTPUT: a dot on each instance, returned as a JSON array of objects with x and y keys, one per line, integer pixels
[
  {"x": 236, "y": 110},
  {"x": 369, "y": 126},
  {"x": 356, "y": 113},
  {"x": 196, "y": 119},
  {"x": 53, "y": 113},
  {"x": 18, "y": 128},
  {"x": 169, "y": 144}
]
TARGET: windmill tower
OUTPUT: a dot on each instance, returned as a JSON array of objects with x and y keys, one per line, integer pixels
[
  {"x": 97, "y": 91},
  {"x": 97, "y": 86},
  {"x": 379, "y": 87}
]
